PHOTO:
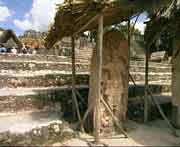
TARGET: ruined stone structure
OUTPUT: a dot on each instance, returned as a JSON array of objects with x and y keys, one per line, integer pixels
[
  {"x": 63, "y": 47},
  {"x": 33, "y": 34}
]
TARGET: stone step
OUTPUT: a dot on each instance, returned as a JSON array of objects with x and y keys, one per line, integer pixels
[
  {"x": 42, "y": 78},
  {"x": 34, "y": 99},
  {"x": 151, "y": 64},
  {"x": 39, "y": 62},
  {"x": 163, "y": 98},
  {"x": 66, "y": 66},
  {"x": 15, "y": 100},
  {"x": 45, "y": 78},
  {"x": 30, "y": 129},
  {"x": 136, "y": 108},
  {"x": 134, "y": 68},
  {"x": 152, "y": 76},
  {"x": 36, "y": 65},
  {"x": 62, "y": 59},
  {"x": 40, "y": 58},
  {"x": 151, "y": 82},
  {"x": 154, "y": 88},
  {"x": 17, "y": 66},
  {"x": 22, "y": 122}
]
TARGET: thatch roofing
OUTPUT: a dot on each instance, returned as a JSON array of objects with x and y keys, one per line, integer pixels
[
  {"x": 166, "y": 20},
  {"x": 71, "y": 16}
]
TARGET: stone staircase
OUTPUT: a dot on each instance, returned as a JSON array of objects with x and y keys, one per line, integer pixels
[
  {"x": 159, "y": 84},
  {"x": 35, "y": 91},
  {"x": 32, "y": 89},
  {"x": 159, "y": 76}
]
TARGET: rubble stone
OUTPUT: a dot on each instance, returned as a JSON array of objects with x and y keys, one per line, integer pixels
[{"x": 45, "y": 134}]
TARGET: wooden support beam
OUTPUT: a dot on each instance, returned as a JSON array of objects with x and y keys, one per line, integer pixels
[
  {"x": 115, "y": 119},
  {"x": 74, "y": 112},
  {"x": 146, "y": 99},
  {"x": 162, "y": 114},
  {"x": 76, "y": 105},
  {"x": 159, "y": 109},
  {"x": 133, "y": 27},
  {"x": 129, "y": 44},
  {"x": 97, "y": 124},
  {"x": 175, "y": 84},
  {"x": 86, "y": 25}
]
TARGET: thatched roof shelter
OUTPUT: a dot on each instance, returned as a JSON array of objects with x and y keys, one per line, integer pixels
[{"x": 72, "y": 16}]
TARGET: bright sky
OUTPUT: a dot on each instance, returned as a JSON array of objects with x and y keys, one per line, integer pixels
[
  {"x": 140, "y": 23},
  {"x": 21, "y": 15}
]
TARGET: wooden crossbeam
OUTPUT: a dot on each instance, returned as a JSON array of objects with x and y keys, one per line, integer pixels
[{"x": 86, "y": 25}]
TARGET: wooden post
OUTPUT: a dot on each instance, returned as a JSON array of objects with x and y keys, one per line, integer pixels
[
  {"x": 97, "y": 124},
  {"x": 75, "y": 102},
  {"x": 73, "y": 77},
  {"x": 129, "y": 45},
  {"x": 146, "y": 100},
  {"x": 175, "y": 84}
]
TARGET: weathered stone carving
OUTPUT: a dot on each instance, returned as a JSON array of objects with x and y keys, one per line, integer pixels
[{"x": 114, "y": 78}]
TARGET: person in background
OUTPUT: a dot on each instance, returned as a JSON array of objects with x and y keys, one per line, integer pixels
[
  {"x": 24, "y": 49},
  {"x": 34, "y": 51},
  {"x": 2, "y": 49},
  {"x": 8, "y": 50},
  {"x": 14, "y": 50}
]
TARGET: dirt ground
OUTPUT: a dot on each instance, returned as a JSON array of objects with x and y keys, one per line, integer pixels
[{"x": 154, "y": 133}]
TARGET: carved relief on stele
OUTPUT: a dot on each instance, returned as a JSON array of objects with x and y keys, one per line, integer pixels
[{"x": 114, "y": 78}]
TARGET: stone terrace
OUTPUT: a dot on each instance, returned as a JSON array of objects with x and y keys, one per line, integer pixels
[{"x": 32, "y": 87}]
